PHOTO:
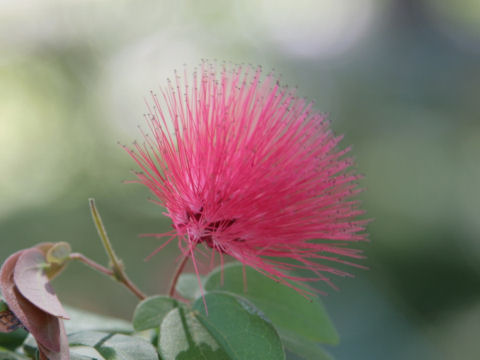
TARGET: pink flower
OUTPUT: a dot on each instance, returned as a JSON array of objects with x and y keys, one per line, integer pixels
[{"x": 248, "y": 169}]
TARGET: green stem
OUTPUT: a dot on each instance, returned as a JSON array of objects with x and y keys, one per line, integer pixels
[
  {"x": 116, "y": 263},
  {"x": 118, "y": 271}
]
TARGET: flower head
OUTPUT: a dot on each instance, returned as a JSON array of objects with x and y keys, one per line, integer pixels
[{"x": 245, "y": 167}]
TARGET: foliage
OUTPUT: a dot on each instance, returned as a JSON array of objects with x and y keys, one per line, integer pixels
[{"x": 225, "y": 323}]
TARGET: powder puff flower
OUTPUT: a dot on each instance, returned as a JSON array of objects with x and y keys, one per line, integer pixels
[{"x": 246, "y": 168}]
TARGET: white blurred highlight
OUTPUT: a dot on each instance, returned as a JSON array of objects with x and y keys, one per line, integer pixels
[{"x": 312, "y": 28}]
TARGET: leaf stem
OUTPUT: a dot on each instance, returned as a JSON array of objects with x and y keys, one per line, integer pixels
[
  {"x": 89, "y": 262},
  {"x": 117, "y": 268},
  {"x": 176, "y": 275},
  {"x": 109, "y": 272}
]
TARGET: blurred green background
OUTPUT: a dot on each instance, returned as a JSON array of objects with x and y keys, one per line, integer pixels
[{"x": 401, "y": 80}]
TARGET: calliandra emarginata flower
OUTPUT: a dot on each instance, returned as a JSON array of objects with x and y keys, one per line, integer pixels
[{"x": 248, "y": 169}]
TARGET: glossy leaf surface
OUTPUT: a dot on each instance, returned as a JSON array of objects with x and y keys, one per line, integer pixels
[
  {"x": 290, "y": 312},
  {"x": 239, "y": 327},
  {"x": 188, "y": 286},
  {"x": 183, "y": 337},
  {"x": 150, "y": 312}
]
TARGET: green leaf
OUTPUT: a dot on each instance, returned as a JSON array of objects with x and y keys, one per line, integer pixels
[
  {"x": 3, "y": 305},
  {"x": 123, "y": 347},
  {"x": 90, "y": 345},
  {"x": 307, "y": 349},
  {"x": 114, "y": 346},
  {"x": 289, "y": 311},
  {"x": 58, "y": 253},
  {"x": 84, "y": 353},
  {"x": 88, "y": 338},
  {"x": 239, "y": 327},
  {"x": 188, "y": 287},
  {"x": 13, "y": 339},
  {"x": 183, "y": 337},
  {"x": 151, "y": 311},
  {"x": 81, "y": 320},
  {"x": 30, "y": 347},
  {"x": 9, "y": 355}
]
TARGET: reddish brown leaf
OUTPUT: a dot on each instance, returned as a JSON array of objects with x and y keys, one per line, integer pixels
[
  {"x": 33, "y": 283},
  {"x": 6, "y": 278},
  {"x": 45, "y": 328},
  {"x": 63, "y": 353}
]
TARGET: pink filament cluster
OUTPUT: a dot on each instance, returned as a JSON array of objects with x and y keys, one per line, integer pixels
[{"x": 248, "y": 169}]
